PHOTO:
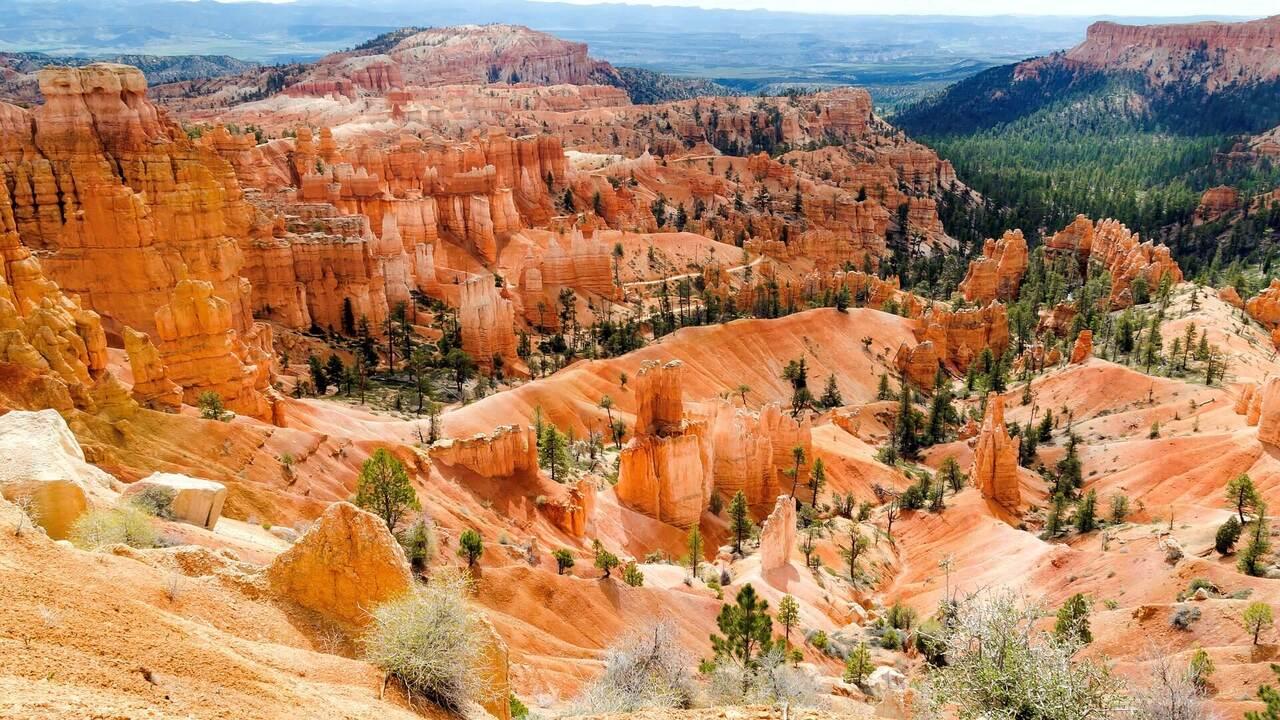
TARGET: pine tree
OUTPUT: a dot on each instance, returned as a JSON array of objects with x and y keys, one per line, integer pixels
[
  {"x": 1253, "y": 558},
  {"x": 884, "y": 392},
  {"x": 905, "y": 436},
  {"x": 1073, "y": 621},
  {"x": 553, "y": 452},
  {"x": 746, "y": 632},
  {"x": 1242, "y": 495},
  {"x": 788, "y": 616},
  {"x": 858, "y": 665},
  {"x": 694, "y": 543},
  {"x": 739, "y": 520},
  {"x": 470, "y": 546},
  {"x": 383, "y": 488},
  {"x": 831, "y": 397},
  {"x": 817, "y": 479},
  {"x": 1086, "y": 509}
]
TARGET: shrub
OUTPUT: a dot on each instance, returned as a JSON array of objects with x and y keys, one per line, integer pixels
[
  {"x": 427, "y": 639},
  {"x": 632, "y": 575},
  {"x": 1228, "y": 534},
  {"x": 470, "y": 546},
  {"x": 211, "y": 408},
  {"x": 1000, "y": 665},
  {"x": 125, "y": 524},
  {"x": 818, "y": 639},
  {"x": 518, "y": 709},
  {"x": 419, "y": 543},
  {"x": 154, "y": 500},
  {"x": 771, "y": 682},
  {"x": 893, "y": 639},
  {"x": 563, "y": 558},
  {"x": 647, "y": 669},
  {"x": 1200, "y": 668},
  {"x": 900, "y": 617},
  {"x": 1183, "y": 616}
]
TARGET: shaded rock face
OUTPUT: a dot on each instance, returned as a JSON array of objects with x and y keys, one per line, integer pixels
[
  {"x": 918, "y": 364},
  {"x": 495, "y": 670},
  {"x": 44, "y": 469},
  {"x": 1231, "y": 296},
  {"x": 508, "y": 450},
  {"x": 995, "y": 458},
  {"x": 1267, "y": 399},
  {"x": 343, "y": 567},
  {"x": 664, "y": 478},
  {"x": 751, "y": 451},
  {"x": 998, "y": 273},
  {"x": 487, "y": 319},
  {"x": 1119, "y": 250},
  {"x": 195, "y": 501},
  {"x": 778, "y": 534},
  {"x": 1083, "y": 349}
]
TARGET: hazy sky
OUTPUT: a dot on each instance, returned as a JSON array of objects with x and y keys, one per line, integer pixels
[{"x": 1151, "y": 8}]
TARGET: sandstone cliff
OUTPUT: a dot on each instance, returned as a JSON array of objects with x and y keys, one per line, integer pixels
[{"x": 995, "y": 458}]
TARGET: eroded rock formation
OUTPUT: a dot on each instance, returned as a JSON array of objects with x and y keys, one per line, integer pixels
[
  {"x": 995, "y": 458},
  {"x": 1083, "y": 348},
  {"x": 508, "y": 450},
  {"x": 1268, "y": 400},
  {"x": 960, "y": 336},
  {"x": 152, "y": 387},
  {"x": 998, "y": 273},
  {"x": 1125, "y": 256},
  {"x": 778, "y": 534},
  {"x": 659, "y": 398}
]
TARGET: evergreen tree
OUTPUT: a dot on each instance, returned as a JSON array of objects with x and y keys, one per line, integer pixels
[
  {"x": 739, "y": 520},
  {"x": 334, "y": 370},
  {"x": 831, "y": 397},
  {"x": 817, "y": 479},
  {"x": 694, "y": 543},
  {"x": 1254, "y": 556},
  {"x": 553, "y": 452},
  {"x": 383, "y": 488},
  {"x": 858, "y": 665},
  {"x": 1242, "y": 495},
  {"x": 788, "y": 616},
  {"x": 1086, "y": 509},
  {"x": 1073, "y": 621},
  {"x": 470, "y": 546},
  {"x": 745, "y": 632},
  {"x": 564, "y": 560},
  {"x": 905, "y": 435},
  {"x": 318, "y": 377}
]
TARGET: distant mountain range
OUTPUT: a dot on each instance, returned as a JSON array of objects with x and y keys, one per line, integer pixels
[{"x": 898, "y": 58}]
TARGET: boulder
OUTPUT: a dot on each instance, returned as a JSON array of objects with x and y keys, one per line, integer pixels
[
  {"x": 44, "y": 469},
  {"x": 195, "y": 501},
  {"x": 345, "y": 565}
]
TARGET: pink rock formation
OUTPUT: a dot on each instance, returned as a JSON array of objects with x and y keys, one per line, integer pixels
[
  {"x": 743, "y": 458},
  {"x": 1122, "y": 252},
  {"x": 202, "y": 353},
  {"x": 778, "y": 534},
  {"x": 488, "y": 321},
  {"x": 1216, "y": 202},
  {"x": 1269, "y": 412},
  {"x": 1083, "y": 349},
  {"x": 918, "y": 363},
  {"x": 998, "y": 273},
  {"x": 664, "y": 478},
  {"x": 152, "y": 387},
  {"x": 342, "y": 568},
  {"x": 508, "y": 450},
  {"x": 995, "y": 458},
  {"x": 659, "y": 398}
]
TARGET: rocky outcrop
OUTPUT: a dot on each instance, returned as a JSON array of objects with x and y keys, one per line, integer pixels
[
  {"x": 665, "y": 477},
  {"x": 1121, "y": 252},
  {"x": 459, "y": 55},
  {"x": 203, "y": 353},
  {"x": 1231, "y": 296},
  {"x": 1268, "y": 401},
  {"x": 1242, "y": 52},
  {"x": 44, "y": 470},
  {"x": 659, "y": 398},
  {"x": 743, "y": 457},
  {"x": 960, "y": 336},
  {"x": 918, "y": 364},
  {"x": 152, "y": 387},
  {"x": 1216, "y": 202},
  {"x": 508, "y": 450},
  {"x": 494, "y": 670},
  {"x": 1083, "y": 348},
  {"x": 488, "y": 322},
  {"x": 998, "y": 273},
  {"x": 778, "y": 534},
  {"x": 1265, "y": 306},
  {"x": 573, "y": 513},
  {"x": 193, "y": 500},
  {"x": 345, "y": 565},
  {"x": 995, "y": 458}
]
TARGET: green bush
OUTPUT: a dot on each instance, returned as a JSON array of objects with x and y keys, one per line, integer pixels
[{"x": 125, "y": 524}]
